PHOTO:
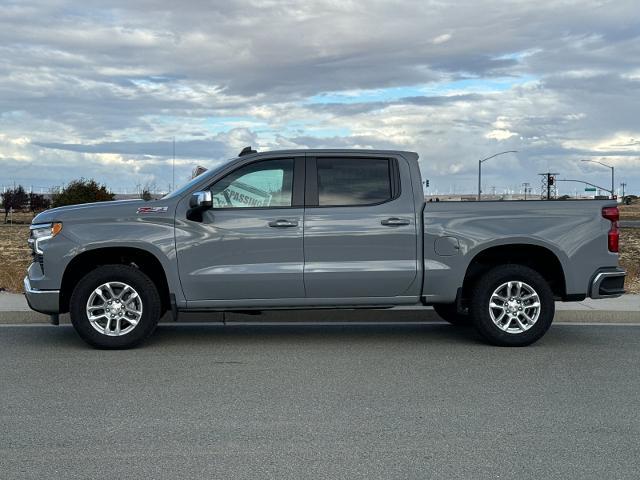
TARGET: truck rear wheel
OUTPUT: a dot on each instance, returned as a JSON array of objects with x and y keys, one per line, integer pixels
[
  {"x": 449, "y": 312},
  {"x": 512, "y": 306},
  {"x": 115, "y": 306}
]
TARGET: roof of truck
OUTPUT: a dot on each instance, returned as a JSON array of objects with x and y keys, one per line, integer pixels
[{"x": 364, "y": 151}]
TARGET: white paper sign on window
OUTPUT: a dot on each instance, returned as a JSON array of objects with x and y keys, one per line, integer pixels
[{"x": 240, "y": 194}]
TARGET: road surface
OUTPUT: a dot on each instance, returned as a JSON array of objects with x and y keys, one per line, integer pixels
[
  {"x": 629, "y": 223},
  {"x": 356, "y": 402}
]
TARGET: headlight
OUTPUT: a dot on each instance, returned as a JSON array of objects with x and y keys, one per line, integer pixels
[{"x": 43, "y": 231}]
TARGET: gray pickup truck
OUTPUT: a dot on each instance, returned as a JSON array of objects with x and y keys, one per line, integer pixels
[{"x": 305, "y": 229}]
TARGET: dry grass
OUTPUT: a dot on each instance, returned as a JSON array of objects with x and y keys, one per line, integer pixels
[
  {"x": 630, "y": 212},
  {"x": 630, "y": 257},
  {"x": 15, "y": 256},
  {"x": 18, "y": 218}
]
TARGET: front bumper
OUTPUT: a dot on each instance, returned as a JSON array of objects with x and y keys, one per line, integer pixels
[
  {"x": 608, "y": 283},
  {"x": 43, "y": 301}
]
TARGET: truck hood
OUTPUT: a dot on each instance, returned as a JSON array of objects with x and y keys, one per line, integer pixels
[{"x": 115, "y": 209}]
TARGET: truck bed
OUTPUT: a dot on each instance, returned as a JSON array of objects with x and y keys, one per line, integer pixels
[{"x": 455, "y": 233}]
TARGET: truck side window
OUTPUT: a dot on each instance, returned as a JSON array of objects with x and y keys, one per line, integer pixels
[
  {"x": 264, "y": 184},
  {"x": 353, "y": 181}
]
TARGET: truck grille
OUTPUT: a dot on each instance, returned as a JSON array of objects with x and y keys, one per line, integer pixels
[{"x": 40, "y": 259}]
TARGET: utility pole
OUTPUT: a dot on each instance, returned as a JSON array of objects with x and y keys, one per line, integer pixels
[
  {"x": 548, "y": 185},
  {"x": 173, "y": 170},
  {"x": 480, "y": 162},
  {"x": 623, "y": 185}
]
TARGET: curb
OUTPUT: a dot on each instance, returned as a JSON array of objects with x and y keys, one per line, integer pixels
[{"x": 336, "y": 316}]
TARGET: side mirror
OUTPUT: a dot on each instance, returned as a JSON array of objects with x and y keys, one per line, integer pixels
[{"x": 201, "y": 200}]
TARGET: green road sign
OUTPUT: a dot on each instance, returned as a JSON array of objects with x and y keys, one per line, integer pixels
[{"x": 589, "y": 189}]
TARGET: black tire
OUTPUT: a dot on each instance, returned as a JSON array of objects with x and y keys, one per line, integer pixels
[
  {"x": 141, "y": 283},
  {"x": 481, "y": 316},
  {"x": 449, "y": 312}
]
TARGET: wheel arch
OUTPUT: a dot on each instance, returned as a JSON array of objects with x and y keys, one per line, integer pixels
[
  {"x": 537, "y": 257},
  {"x": 88, "y": 260}
]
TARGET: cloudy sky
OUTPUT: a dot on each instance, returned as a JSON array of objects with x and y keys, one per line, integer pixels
[{"x": 99, "y": 89}]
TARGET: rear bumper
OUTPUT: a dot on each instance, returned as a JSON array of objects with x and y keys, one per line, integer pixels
[
  {"x": 43, "y": 301},
  {"x": 608, "y": 283}
]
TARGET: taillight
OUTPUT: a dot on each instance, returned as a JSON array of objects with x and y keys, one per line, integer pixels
[
  {"x": 611, "y": 213},
  {"x": 613, "y": 238}
]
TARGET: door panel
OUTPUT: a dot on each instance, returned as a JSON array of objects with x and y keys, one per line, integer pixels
[
  {"x": 359, "y": 251},
  {"x": 250, "y": 246},
  {"x": 235, "y": 254}
]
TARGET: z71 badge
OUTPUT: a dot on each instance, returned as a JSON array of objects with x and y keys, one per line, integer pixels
[{"x": 152, "y": 209}]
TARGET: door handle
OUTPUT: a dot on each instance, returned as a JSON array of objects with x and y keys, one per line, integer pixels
[
  {"x": 283, "y": 223},
  {"x": 394, "y": 222}
]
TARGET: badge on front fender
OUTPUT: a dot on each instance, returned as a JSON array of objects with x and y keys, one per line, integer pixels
[{"x": 145, "y": 210}]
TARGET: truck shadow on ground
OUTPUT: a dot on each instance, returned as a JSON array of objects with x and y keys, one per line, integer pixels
[
  {"x": 317, "y": 334},
  {"x": 425, "y": 334},
  {"x": 215, "y": 334}
]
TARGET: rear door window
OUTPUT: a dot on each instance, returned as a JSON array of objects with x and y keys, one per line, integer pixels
[{"x": 353, "y": 181}]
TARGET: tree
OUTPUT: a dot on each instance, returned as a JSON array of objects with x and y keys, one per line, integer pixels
[
  {"x": 14, "y": 198},
  {"x": 146, "y": 192},
  {"x": 38, "y": 202},
  {"x": 146, "y": 195},
  {"x": 82, "y": 191}
]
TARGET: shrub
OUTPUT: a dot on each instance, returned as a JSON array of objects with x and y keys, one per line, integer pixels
[{"x": 82, "y": 191}]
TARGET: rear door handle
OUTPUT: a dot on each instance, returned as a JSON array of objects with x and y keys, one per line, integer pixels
[
  {"x": 281, "y": 223},
  {"x": 394, "y": 222}
]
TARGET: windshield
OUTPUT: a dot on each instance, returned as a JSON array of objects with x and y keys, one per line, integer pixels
[{"x": 190, "y": 184}]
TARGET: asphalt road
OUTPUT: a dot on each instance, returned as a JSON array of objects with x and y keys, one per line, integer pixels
[
  {"x": 353, "y": 402},
  {"x": 629, "y": 223}
]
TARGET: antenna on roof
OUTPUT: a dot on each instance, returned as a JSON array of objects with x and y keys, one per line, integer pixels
[{"x": 247, "y": 151}]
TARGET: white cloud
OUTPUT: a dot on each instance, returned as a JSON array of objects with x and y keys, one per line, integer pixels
[
  {"x": 125, "y": 77},
  {"x": 445, "y": 37},
  {"x": 500, "y": 134}
]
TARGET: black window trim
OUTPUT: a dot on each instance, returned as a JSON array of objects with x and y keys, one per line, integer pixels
[
  {"x": 297, "y": 189},
  {"x": 311, "y": 184}
]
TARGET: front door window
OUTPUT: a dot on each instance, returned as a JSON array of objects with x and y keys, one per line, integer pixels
[{"x": 265, "y": 184}]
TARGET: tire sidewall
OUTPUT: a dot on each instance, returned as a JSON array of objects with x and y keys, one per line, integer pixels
[
  {"x": 115, "y": 273},
  {"x": 481, "y": 298}
]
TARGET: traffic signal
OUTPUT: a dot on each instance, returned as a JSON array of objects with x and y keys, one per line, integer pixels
[
  {"x": 552, "y": 179},
  {"x": 427, "y": 184}
]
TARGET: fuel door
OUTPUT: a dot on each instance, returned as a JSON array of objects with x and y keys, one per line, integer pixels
[{"x": 447, "y": 246}]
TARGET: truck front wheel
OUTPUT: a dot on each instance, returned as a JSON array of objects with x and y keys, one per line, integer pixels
[
  {"x": 115, "y": 306},
  {"x": 512, "y": 306}
]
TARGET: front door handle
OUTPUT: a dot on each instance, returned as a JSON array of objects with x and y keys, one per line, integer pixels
[
  {"x": 394, "y": 222},
  {"x": 283, "y": 223}
]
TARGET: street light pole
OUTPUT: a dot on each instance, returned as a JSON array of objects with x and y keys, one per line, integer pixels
[
  {"x": 612, "y": 173},
  {"x": 480, "y": 162},
  {"x": 173, "y": 167}
]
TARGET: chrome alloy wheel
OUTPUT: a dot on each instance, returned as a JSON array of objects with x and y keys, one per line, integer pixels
[
  {"x": 114, "y": 309},
  {"x": 514, "y": 307}
]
